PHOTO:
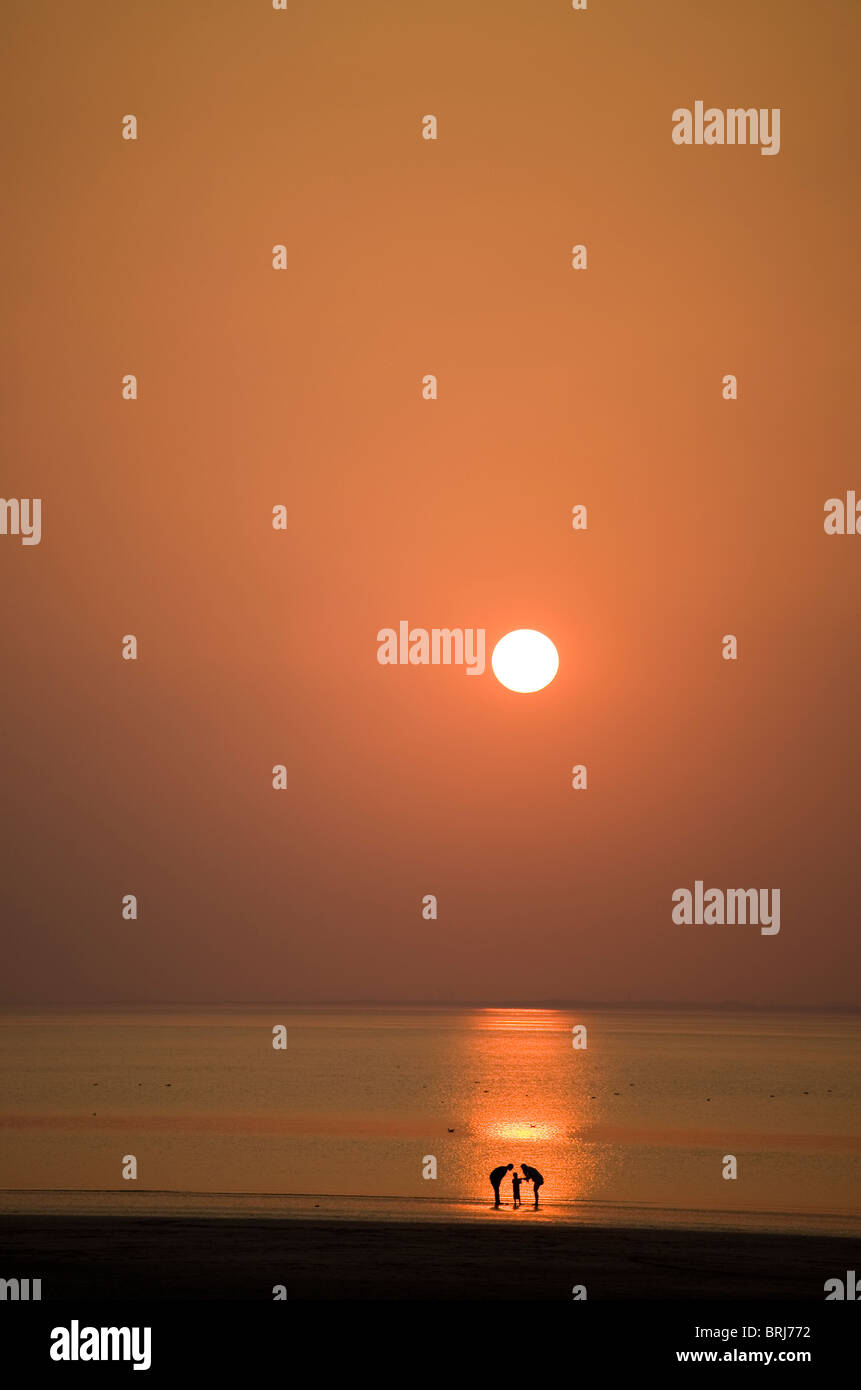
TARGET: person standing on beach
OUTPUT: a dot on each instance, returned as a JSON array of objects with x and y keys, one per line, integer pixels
[
  {"x": 516, "y": 1180},
  {"x": 496, "y": 1178},
  {"x": 532, "y": 1175}
]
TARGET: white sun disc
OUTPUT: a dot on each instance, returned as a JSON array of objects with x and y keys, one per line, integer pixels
[{"x": 524, "y": 660}]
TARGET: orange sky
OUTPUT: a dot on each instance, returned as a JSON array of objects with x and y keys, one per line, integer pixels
[{"x": 302, "y": 387}]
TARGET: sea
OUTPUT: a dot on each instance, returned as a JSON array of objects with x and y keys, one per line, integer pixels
[{"x": 635, "y": 1116}]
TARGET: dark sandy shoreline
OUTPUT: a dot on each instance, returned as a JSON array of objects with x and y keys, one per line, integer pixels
[{"x": 87, "y": 1257}]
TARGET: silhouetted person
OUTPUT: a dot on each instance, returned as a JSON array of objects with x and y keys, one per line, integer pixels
[
  {"x": 516, "y": 1180},
  {"x": 532, "y": 1175},
  {"x": 496, "y": 1178}
]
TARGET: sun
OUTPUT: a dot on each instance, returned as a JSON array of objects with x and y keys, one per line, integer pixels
[{"x": 524, "y": 660}]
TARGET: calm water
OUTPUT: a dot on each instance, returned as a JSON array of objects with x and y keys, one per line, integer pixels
[{"x": 632, "y": 1129}]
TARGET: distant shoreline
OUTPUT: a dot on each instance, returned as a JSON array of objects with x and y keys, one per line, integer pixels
[{"x": 686, "y": 1006}]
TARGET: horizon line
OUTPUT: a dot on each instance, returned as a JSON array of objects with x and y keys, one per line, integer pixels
[{"x": 555, "y": 1003}]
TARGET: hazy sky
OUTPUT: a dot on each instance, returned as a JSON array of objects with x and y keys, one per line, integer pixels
[{"x": 303, "y": 387}]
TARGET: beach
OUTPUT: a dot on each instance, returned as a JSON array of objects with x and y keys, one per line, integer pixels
[{"x": 147, "y": 1258}]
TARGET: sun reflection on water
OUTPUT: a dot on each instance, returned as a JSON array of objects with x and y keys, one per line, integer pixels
[
  {"x": 528, "y": 1102},
  {"x": 522, "y": 1131},
  {"x": 517, "y": 1020}
]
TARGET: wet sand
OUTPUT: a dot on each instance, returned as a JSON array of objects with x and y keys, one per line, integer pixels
[{"x": 86, "y": 1257}]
